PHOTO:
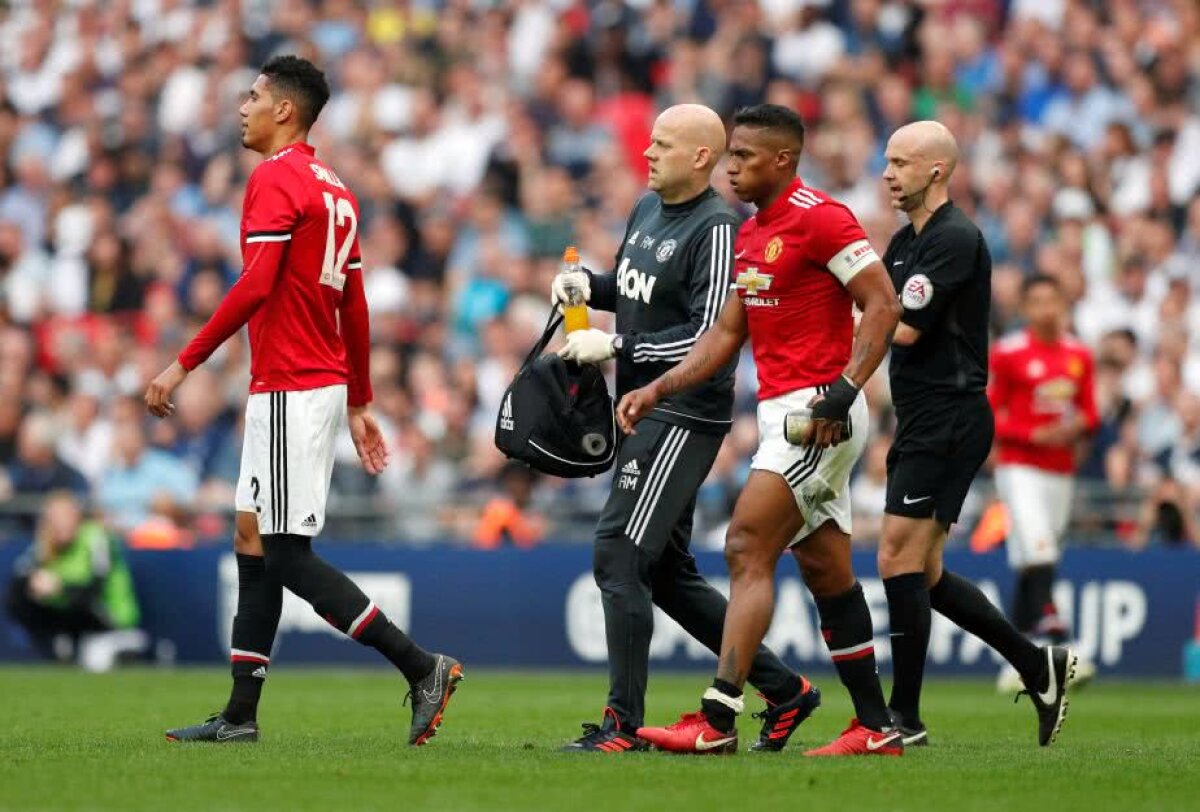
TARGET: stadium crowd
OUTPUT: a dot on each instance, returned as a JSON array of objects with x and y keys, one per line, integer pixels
[{"x": 483, "y": 137}]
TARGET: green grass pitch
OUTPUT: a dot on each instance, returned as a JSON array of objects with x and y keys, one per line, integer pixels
[{"x": 334, "y": 740}]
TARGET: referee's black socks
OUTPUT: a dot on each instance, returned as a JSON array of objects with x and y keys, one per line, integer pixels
[
  {"x": 846, "y": 627},
  {"x": 339, "y": 600},
  {"x": 908, "y": 601},
  {"x": 260, "y": 600},
  {"x": 962, "y": 602}
]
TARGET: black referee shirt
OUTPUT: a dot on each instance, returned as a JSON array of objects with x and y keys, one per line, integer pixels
[{"x": 943, "y": 276}]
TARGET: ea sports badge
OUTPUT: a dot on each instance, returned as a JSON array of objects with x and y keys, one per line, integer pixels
[
  {"x": 918, "y": 291},
  {"x": 773, "y": 250}
]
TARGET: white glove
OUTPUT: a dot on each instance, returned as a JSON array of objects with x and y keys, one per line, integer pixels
[
  {"x": 589, "y": 346},
  {"x": 558, "y": 293}
]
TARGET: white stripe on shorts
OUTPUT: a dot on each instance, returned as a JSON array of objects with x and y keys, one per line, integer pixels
[{"x": 660, "y": 473}]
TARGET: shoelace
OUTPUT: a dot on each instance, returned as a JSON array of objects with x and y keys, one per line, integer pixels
[
  {"x": 765, "y": 713},
  {"x": 591, "y": 731},
  {"x": 688, "y": 719}
]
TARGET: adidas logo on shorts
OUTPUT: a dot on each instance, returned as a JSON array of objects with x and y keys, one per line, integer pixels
[
  {"x": 506, "y": 414},
  {"x": 631, "y": 467},
  {"x": 311, "y": 521}
]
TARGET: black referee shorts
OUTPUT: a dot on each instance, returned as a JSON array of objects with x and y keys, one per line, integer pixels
[
  {"x": 939, "y": 447},
  {"x": 658, "y": 472}
]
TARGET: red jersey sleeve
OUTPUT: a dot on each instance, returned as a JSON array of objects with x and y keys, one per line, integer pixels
[
  {"x": 356, "y": 332},
  {"x": 269, "y": 212},
  {"x": 839, "y": 242},
  {"x": 271, "y": 207}
]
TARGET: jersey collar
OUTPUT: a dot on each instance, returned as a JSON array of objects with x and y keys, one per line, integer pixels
[
  {"x": 779, "y": 205},
  {"x": 685, "y": 208},
  {"x": 940, "y": 213},
  {"x": 298, "y": 146}
]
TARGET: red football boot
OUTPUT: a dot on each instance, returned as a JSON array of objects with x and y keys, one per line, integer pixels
[
  {"x": 857, "y": 740},
  {"x": 691, "y": 734}
]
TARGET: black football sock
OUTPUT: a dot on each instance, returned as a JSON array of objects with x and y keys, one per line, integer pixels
[
  {"x": 908, "y": 607},
  {"x": 1024, "y": 611},
  {"x": 785, "y": 691},
  {"x": 400, "y": 649},
  {"x": 846, "y": 627},
  {"x": 1046, "y": 622},
  {"x": 339, "y": 600},
  {"x": 962, "y": 602},
  {"x": 721, "y": 705},
  {"x": 260, "y": 600}
]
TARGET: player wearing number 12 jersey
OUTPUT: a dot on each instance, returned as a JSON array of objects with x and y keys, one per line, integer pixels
[{"x": 301, "y": 292}]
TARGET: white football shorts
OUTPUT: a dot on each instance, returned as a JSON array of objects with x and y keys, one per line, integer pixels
[
  {"x": 287, "y": 458},
  {"x": 1039, "y": 508},
  {"x": 819, "y": 478}
]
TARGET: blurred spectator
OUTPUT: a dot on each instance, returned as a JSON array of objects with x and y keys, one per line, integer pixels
[
  {"x": 506, "y": 520},
  {"x": 868, "y": 493},
  {"x": 72, "y": 591},
  {"x": 1166, "y": 518},
  {"x": 142, "y": 480},
  {"x": 38, "y": 469},
  {"x": 86, "y": 436},
  {"x": 415, "y": 480}
]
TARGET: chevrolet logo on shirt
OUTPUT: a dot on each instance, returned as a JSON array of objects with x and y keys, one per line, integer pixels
[{"x": 751, "y": 281}]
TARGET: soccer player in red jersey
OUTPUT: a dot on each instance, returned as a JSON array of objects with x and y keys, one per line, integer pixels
[
  {"x": 1042, "y": 391},
  {"x": 301, "y": 291},
  {"x": 803, "y": 261}
]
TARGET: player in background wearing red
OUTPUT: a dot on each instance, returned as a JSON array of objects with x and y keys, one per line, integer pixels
[
  {"x": 1042, "y": 391},
  {"x": 301, "y": 291},
  {"x": 802, "y": 262}
]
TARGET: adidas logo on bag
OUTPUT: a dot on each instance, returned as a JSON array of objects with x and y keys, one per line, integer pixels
[{"x": 506, "y": 414}]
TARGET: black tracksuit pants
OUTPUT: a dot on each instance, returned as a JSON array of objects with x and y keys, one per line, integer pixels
[{"x": 642, "y": 559}]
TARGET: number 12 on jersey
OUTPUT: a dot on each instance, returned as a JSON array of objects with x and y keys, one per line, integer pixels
[{"x": 333, "y": 268}]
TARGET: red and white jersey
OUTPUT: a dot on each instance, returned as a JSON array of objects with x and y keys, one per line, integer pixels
[
  {"x": 1034, "y": 384},
  {"x": 794, "y": 259},
  {"x": 301, "y": 287}
]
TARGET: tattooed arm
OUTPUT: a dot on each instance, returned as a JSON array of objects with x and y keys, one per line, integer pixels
[
  {"x": 876, "y": 298},
  {"x": 711, "y": 352}
]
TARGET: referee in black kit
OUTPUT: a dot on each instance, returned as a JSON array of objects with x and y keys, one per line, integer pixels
[
  {"x": 942, "y": 271},
  {"x": 671, "y": 278}
]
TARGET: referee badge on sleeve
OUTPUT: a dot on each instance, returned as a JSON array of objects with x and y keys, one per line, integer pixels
[{"x": 918, "y": 292}]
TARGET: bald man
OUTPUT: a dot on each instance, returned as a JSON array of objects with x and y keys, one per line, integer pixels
[
  {"x": 671, "y": 279},
  {"x": 942, "y": 271}
]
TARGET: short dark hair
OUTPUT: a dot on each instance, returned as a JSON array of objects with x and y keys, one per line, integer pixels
[
  {"x": 1039, "y": 279},
  {"x": 299, "y": 81},
  {"x": 772, "y": 117}
]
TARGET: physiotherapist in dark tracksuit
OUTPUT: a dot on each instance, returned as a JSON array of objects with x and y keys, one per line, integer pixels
[{"x": 671, "y": 276}]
